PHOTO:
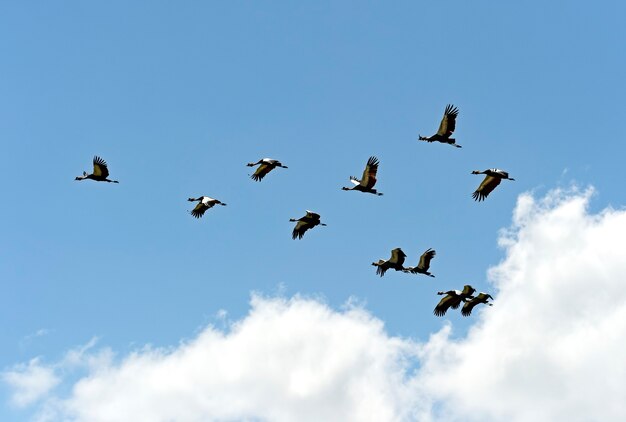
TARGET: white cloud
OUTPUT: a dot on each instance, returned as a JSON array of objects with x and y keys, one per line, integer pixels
[
  {"x": 553, "y": 346},
  {"x": 29, "y": 382},
  {"x": 550, "y": 349}
]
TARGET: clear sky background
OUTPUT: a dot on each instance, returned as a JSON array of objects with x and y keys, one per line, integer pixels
[{"x": 178, "y": 96}]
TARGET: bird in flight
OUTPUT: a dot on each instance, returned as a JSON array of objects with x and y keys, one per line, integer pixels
[
  {"x": 446, "y": 128},
  {"x": 489, "y": 183},
  {"x": 204, "y": 204},
  {"x": 423, "y": 265},
  {"x": 367, "y": 182},
  {"x": 100, "y": 172},
  {"x": 395, "y": 262},
  {"x": 310, "y": 220},
  {"x": 266, "y": 165},
  {"x": 453, "y": 299}
]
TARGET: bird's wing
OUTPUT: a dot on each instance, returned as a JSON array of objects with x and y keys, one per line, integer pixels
[
  {"x": 397, "y": 257},
  {"x": 443, "y": 305},
  {"x": 484, "y": 296},
  {"x": 261, "y": 171},
  {"x": 354, "y": 180},
  {"x": 468, "y": 306},
  {"x": 424, "y": 263},
  {"x": 468, "y": 290},
  {"x": 299, "y": 230},
  {"x": 199, "y": 210},
  {"x": 100, "y": 167},
  {"x": 369, "y": 174},
  {"x": 448, "y": 123},
  {"x": 485, "y": 188},
  {"x": 456, "y": 302}
]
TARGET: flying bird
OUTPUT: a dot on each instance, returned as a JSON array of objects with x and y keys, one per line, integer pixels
[
  {"x": 367, "y": 182},
  {"x": 480, "y": 298},
  {"x": 489, "y": 183},
  {"x": 100, "y": 172},
  {"x": 310, "y": 220},
  {"x": 424, "y": 263},
  {"x": 395, "y": 262},
  {"x": 266, "y": 165},
  {"x": 204, "y": 204},
  {"x": 453, "y": 299},
  {"x": 446, "y": 127}
]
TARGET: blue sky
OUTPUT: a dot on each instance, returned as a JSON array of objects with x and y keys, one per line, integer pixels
[{"x": 178, "y": 97}]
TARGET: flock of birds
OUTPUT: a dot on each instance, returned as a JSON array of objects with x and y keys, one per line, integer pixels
[{"x": 452, "y": 298}]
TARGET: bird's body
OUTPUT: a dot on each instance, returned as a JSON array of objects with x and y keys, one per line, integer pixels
[
  {"x": 204, "y": 204},
  {"x": 490, "y": 182},
  {"x": 446, "y": 128},
  {"x": 310, "y": 220},
  {"x": 480, "y": 298},
  {"x": 367, "y": 182},
  {"x": 423, "y": 265},
  {"x": 266, "y": 165},
  {"x": 395, "y": 262},
  {"x": 453, "y": 299},
  {"x": 100, "y": 172}
]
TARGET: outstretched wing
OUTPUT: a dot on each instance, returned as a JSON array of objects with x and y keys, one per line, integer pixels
[
  {"x": 299, "y": 230},
  {"x": 354, "y": 180},
  {"x": 199, "y": 210},
  {"x": 448, "y": 123},
  {"x": 369, "y": 174},
  {"x": 261, "y": 171},
  {"x": 397, "y": 257},
  {"x": 445, "y": 303},
  {"x": 485, "y": 188},
  {"x": 424, "y": 263},
  {"x": 100, "y": 167},
  {"x": 468, "y": 306}
]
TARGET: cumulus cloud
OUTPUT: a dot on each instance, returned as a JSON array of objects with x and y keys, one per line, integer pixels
[
  {"x": 550, "y": 349},
  {"x": 29, "y": 382}
]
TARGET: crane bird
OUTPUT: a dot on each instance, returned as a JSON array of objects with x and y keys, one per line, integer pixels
[
  {"x": 100, "y": 172},
  {"x": 367, "y": 182},
  {"x": 310, "y": 220},
  {"x": 480, "y": 298},
  {"x": 204, "y": 204},
  {"x": 489, "y": 183},
  {"x": 423, "y": 265},
  {"x": 453, "y": 299},
  {"x": 266, "y": 165},
  {"x": 446, "y": 127},
  {"x": 395, "y": 262}
]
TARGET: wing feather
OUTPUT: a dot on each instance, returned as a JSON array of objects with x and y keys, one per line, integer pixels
[
  {"x": 261, "y": 171},
  {"x": 199, "y": 210},
  {"x": 424, "y": 263},
  {"x": 100, "y": 167},
  {"x": 369, "y": 174},
  {"x": 448, "y": 122},
  {"x": 486, "y": 187}
]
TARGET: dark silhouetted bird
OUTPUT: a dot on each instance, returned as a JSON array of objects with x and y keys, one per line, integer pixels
[
  {"x": 100, "y": 172},
  {"x": 266, "y": 165},
  {"x": 489, "y": 183},
  {"x": 367, "y": 182},
  {"x": 204, "y": 204},
  {"x": 424, "y": 263},
  {"x": 310, "y": 220},
  {"x": 395, "y": 262},
  {"x": 480, "y": 298},
  {"x": 446, "y": 127},
  {"x": 453, "y": 299}
]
